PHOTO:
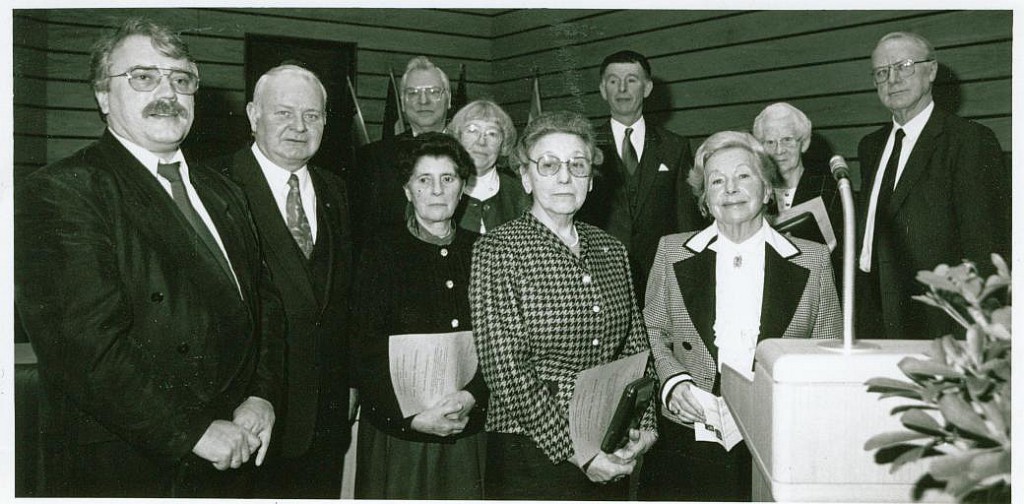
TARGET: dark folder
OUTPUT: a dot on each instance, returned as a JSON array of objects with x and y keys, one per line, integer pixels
[{"x": 635, "y": 398}]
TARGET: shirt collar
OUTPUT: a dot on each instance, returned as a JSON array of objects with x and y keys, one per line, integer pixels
[
  {"x": 700, "y": 241},
  {"x": 486, "y": 186},
  {"x": 639, "y": 129},
  {"x": 914, "y": 126},
  {"x": 147, "y": 158},
  {"x": 275, "y": 175}
]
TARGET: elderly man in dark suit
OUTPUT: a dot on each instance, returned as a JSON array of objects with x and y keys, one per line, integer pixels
[
  {"x": 140, "y": 282},
  {"x": 935, "y": 191},
  {"x": 377, "y": 199},
  {"x": 640, "y": 192},
  {"x": 301, "y": 214}
]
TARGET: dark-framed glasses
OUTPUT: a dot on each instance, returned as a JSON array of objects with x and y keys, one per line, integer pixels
[
  {"x": 549, "y": 164},
  {"x": 142, "y": 78},
  {"x": 433, "y": 93},
  {"x": 903, "y": 69},
  {"x": 784, "y": 142}
]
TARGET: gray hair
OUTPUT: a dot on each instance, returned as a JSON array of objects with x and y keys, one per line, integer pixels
[
  {"x": 423, "y": 63},
  {"x": 485, "y": 110},
  {"x": 296, "y": 70},
  {"x": 167, "y": 42},
  {"x": 561, "y": 121},
  {"x": 919, "y": 39},
  {"x": 780, "y": 111},
  {"x": 767, "y": 171}
]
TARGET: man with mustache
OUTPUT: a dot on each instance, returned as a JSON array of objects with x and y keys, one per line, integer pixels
[
  {"x": 301, "y": 215},
  {"x": 935, "y": 190},
  {"x": 140, "y": 283},
  {"x": 640, "y": 192},
  {"x": 377, "y": 198}
]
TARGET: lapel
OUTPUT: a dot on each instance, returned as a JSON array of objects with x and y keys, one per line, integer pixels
[
  {"x": 279, "y": 246},
  {"x": 648, "y": 168},
  {"x": 696, "y": 278},
  {"x": 917, "y": 164},
  {"x": 158, "y": 219},
  {"x": 327, "y": 224},
  {"x": 872, "y": 154},
  {"x": 809, "y": 187},
  {"x": 230, "y": 227},
  {"x": 784, "y": 284}
]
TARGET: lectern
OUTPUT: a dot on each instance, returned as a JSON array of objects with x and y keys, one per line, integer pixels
[{"x": 807, "y": 414}]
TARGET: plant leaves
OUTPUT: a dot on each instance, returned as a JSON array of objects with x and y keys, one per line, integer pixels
[
  {"x": 1000, "y": 264},
  {"x": 913, "y": 366},
  {"x": 956, "y": 411},
  {"x": 922, "y": 422},
  {"x": 892, "y": 438},
  {"x": 890, "y": 385},
  {"x": 936, "y": 279}
]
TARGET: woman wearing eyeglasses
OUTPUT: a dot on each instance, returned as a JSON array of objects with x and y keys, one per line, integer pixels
[
  {"x": 491, "y": 196},
  {"x": 550, "y": 297}
]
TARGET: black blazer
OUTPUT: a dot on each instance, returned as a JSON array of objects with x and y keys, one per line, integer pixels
[
  {"x": 665, "y": 202},
  {"x": 141, "y": 337},
  {"x": 818, "y": 181},
  {"x": 952, "y": 202},
  {"x": 378, "y": 202},
  {"x": 318, "y": 354}
]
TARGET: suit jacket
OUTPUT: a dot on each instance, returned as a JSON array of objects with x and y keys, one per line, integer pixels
[
  {"x": 818, "y": 181},
  {"x": 318, "y": 342},
  {"x": 378, "y": 201},
  {"x": 665, "y": 202},
  {"x": 142, "y": 338},
  {"x": 800, "y": 301},
  {"x": 952, "y": 202}
]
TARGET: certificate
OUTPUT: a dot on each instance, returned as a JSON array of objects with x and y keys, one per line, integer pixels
[
  {"x": 595, "y": 399},
  {"x": 427, "y": 367}
]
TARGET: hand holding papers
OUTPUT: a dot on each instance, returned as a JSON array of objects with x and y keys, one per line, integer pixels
[
  {"x": 795, "y": 217},
  {"x": 719, "y": 425},
  {"x": 427, "y": 368},
  {"x": 595, "y": 398}
]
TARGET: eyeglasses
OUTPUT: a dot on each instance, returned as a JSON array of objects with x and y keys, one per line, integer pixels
[
  {"x": 784, "y": 142},
  {"x": 431, "y": 92},
  {"x": 475, "y": 132},
  {"x": 548, "y": 165},
  {"x": 144, "y": 79},
  {"x": 903, "y": 69}
]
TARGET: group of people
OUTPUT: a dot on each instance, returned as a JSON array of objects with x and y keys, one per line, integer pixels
[{"x": 210, "y": 329}]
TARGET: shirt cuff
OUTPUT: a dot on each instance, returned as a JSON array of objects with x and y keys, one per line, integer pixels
[{"x": 670, "y": 383}]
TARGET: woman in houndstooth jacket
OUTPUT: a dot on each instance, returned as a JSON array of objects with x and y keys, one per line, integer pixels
[
  {"x": 551, "y": 297},
  {"x": 711, "y": 297}
]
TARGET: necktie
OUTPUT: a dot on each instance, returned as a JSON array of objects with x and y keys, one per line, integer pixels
[
  {"x": 889, "y": 178},
  {"x": 172, "y": 172},
  {"x": 298, "y": 225},
  {"x": 629, "y": 153}
]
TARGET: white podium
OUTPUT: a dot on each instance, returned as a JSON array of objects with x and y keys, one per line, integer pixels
[{"x": 807, "y": 414}]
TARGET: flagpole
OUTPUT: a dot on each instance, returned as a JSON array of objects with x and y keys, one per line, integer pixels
[{"x": 364, "y": 136}]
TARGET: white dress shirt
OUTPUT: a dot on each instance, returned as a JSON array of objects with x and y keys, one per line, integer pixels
[
  {"x": 912, "y": 131},
  {"x": 151, "y": 161},
  {"x": 277, "y": 179},
  {"x": 637, "y": 138}
]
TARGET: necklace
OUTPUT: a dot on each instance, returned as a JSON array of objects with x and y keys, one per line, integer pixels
[{"x": 737, "y": 261}]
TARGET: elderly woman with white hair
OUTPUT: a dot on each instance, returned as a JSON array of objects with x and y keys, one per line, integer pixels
[
  {"x": 711, "y": 297},
  {"x": 785, "y": 133}
]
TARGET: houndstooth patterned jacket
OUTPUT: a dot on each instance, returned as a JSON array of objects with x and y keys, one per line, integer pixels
[
  {"x": 800, "y": 301},
  {"x": 540, "y": 316}
]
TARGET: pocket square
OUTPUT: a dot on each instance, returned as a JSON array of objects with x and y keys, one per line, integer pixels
[{"x": 662, "y": 167}]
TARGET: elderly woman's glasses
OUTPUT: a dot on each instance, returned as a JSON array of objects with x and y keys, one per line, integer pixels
[
  {"x": 784, "y": 142},
  {"x": 903, "y": 69},
  {"x": 431, "y": 92},
  {"x": 548, "y": 165},
  {"x": 145, "y": 79}
]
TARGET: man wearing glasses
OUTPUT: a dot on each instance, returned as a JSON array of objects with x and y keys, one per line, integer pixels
[
  {"x": 640, "y": 192},
  {"x": 935, "y": 191},
  {"x": 139, "y": 281},
  {"x": 376, "y": 193}
]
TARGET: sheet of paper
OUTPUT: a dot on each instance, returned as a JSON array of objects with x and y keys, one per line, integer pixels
[
  {"x": 427, "y": 367},
  {"x": 719, "y": 426},
  {"x": 815, "y": 207},
  {"x": 594, "y": 399}
]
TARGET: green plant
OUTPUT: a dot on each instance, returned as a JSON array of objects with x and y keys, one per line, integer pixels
[{"x": 959, "y": 409}]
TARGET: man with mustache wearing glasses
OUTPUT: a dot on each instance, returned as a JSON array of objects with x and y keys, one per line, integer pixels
[
  {"x": 377, "y": 198},
  {"x": 140, "y": 283},
  {"x": 935, "y": 191}
]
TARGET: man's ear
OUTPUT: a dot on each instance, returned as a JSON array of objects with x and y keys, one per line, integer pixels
[
  {"x": 253, "y": 114},
  {"x": 648, "y": 87},
  {"x": 103, "y": 100}
]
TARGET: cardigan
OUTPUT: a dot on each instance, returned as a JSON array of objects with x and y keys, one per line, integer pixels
[
  {"x": 510, "y": 202},
  {"x": 403, "y": 286},
  {"x": 541, "y": 315}
]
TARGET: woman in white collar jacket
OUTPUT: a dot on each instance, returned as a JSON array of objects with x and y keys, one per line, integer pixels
[{"x": 711, "y": 297}]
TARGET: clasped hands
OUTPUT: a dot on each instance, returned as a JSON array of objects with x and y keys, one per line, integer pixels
[
  {"x": 230, "y": 444},
  {"x": 446, "y": 418},
  {"x": 608, "y": 467}
]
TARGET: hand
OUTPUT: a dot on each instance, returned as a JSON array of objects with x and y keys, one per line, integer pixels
[
  {"x": 639, "y": 442},
  {"x": 353, "y": 405},
  {"x": 226, "y": 444},
  {"x": 438, "y": 419},
  {"x": 256, "y": 415},
  {"x": 604, "y": 468},
  {"x": 684, "y": 405},
  {"x": 464, "y": 400}
]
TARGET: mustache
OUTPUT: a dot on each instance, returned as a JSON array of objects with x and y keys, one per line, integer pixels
[{"x": 165, "y": 107}]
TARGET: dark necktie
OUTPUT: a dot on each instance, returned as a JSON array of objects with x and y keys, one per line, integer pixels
[
  {"x": 889, "y": 178},
  {"x": 629, "y": 153},
  {"x": 172, "y": 172},
  {"x": 298, "y": 225}
]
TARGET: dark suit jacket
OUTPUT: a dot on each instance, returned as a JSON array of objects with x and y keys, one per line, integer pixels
[
  {"x": 952, "y": 202},
  {"x": 665, "y": 203},
  {"x": 142, "y": 338},
  {"x": 378, "y": 201},
  {"x": 318, "y": 346},
  {"x": 800, "y": 301},
  {"x": 818, "y": 181}
]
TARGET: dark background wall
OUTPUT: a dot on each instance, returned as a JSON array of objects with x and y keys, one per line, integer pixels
[{"x": 714, "y": 70}]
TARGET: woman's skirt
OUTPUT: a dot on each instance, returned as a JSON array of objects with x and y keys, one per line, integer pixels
[{"x": 391, "y": 468}]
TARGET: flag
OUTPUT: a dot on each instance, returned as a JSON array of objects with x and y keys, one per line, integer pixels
[
  {"x": 394, "y": 117},
  {"x": 535, "y": 109},
  {"x": 460, "y": 99},
  {"x": 358, "y": 124}
]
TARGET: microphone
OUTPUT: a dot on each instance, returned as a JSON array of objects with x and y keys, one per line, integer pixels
[{"x": 840, "y": 170}]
